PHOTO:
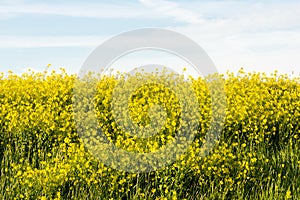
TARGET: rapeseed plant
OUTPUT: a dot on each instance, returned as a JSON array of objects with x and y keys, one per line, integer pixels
[{"x": 43, "y": 157}]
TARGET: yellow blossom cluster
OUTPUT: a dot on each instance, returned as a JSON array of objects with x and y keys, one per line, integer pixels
[{"x": 45, "y": 154}]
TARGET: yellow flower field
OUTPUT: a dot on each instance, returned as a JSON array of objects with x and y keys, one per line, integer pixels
[{"x": 44, "y": 157}]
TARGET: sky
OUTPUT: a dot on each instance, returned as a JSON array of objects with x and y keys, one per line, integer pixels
[{"x": 261, "y": 36}]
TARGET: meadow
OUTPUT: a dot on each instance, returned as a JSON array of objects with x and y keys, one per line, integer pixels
[{"x": 257, "y": 155}]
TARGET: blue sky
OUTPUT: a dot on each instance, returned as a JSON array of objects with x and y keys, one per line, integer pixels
[{"x": 255, "y": 35}]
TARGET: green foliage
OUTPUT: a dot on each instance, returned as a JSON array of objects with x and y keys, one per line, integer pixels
[{"x": 256, "y": 157}]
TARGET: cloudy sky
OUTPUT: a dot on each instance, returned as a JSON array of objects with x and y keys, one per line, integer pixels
[{"x": 256, "y": 35}]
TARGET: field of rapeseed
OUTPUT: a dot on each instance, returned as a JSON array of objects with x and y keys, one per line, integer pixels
[{"x": 256, "y": 157}]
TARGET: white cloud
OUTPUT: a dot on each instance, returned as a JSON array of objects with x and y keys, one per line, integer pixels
[
  {"x": 260, "y": 36},
  {"x": 256, "y": 36},
  {"x": 247, "y": 16},
  {"x": 47, "y": 41},
  {"x": 90, "y": 10},
  {"x": 174, "y": 10},
  {"x": 158, "y": 9}
]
